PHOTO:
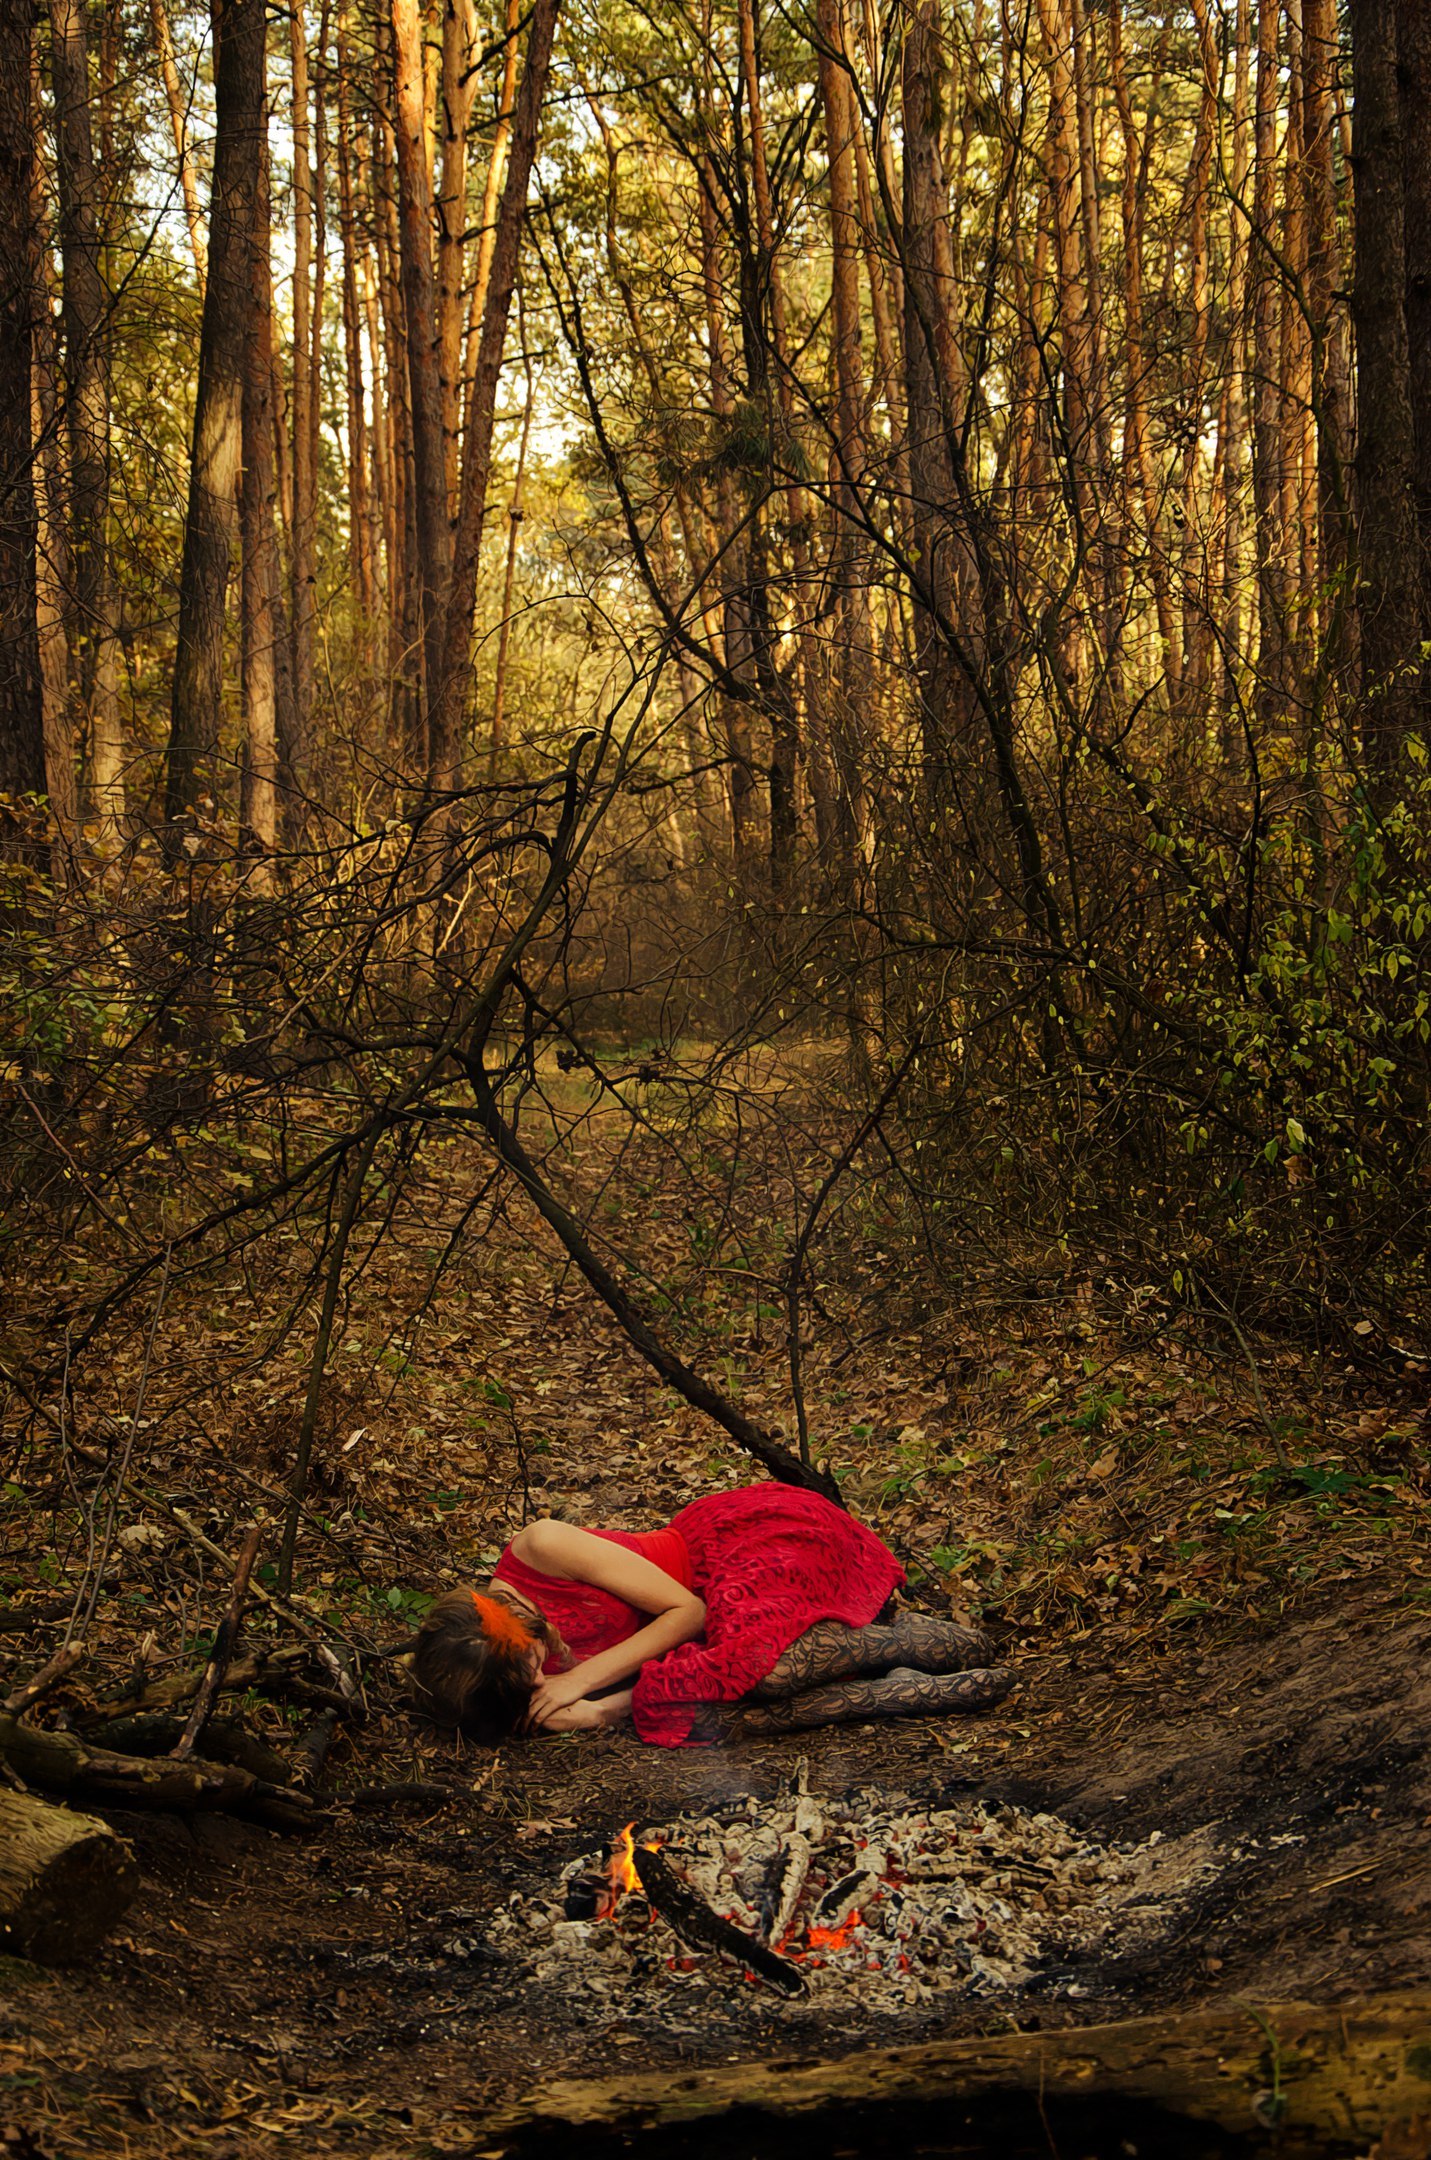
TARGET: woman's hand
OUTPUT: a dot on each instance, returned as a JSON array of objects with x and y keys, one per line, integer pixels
[
  {"x": 554, "y": 1692},
  {"x": 588, "y": 1715}
]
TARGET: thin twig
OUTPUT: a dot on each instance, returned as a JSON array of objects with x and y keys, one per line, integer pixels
[
  {"x": 225, "y": 1638},
  {"x": 77, "y": 1632}
]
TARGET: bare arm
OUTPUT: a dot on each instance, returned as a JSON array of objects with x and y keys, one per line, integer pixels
[
  {"x": 590, "y": 1716},
  {"x": 560, "y": 1550}
]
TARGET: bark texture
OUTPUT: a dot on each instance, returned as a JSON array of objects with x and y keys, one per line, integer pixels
[
  {"x": 259, "y": 592},
  {"x": 1413, "y": 25},
  {"x": 22, "y": 728},
  {"x": 434, "y": 531},
  {"x": 1388, "y": 581},
  {"x": 211, "y": 520},
  {"x": 1344, "y": 2071},
  {"x": 86, "y": 309},
  {"x": 64, "y": 1880},
  {"x": 451, "y": 681}
]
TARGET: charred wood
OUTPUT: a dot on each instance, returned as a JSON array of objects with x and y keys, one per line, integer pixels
[{"x": 704, "y": 1929}]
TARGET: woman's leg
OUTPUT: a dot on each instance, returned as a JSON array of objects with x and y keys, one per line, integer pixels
[
  {"x": 830, "y": 1651},
  {"x": 902, "y": 1693}
]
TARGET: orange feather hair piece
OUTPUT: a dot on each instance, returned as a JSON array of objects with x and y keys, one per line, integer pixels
[{"x": 500, "y": 1624}]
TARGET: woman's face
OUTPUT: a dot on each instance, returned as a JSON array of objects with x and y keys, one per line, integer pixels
[{"x": 536, "y": 1661}]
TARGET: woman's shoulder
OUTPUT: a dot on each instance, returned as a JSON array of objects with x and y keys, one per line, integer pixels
[{"x": 538, "y": 1542}]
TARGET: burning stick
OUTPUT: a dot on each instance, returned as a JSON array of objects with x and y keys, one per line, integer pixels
[
  {"x": 696, "y": 1924},
  {"x": 788, "y": 1872}
]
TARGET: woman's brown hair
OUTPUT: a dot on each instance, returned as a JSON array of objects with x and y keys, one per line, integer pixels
[{"x": 481, "y": 1680}]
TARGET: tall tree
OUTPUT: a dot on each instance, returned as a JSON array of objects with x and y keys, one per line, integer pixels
[
  {"x": 359, "y": 526},
  {"x": 849, "y": 673},
  {"x": 1266, "y": 318},
  {"x": 302, "y": 572},
  {"x": 209, "y": 526},
  {"x": 52, "y": 577},
  {"x": 424, "y": 373},
  {"x": 22, "y": 730},
  {"x": 1388, "y": 541},
  {"x": 456, "y": 90},
  {"x": 935, "y": 391},
  {"x": 449, "y": 684},
  {"x": 86, "y": 325},
  {"x": 1331, "y": 366},
  {"x": 1413, "y": 30},
  {"x": 178, "y": 121},
  {"x": 259, "y": 592}
]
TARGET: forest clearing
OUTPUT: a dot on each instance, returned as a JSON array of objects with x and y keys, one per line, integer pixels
[{"x": 715, "y": 864}]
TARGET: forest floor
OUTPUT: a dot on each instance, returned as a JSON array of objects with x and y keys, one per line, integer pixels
[{"x": 1206, "y": 1640}]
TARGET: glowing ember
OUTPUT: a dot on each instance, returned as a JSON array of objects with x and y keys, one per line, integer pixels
[
  {"x": 834, "y": 1938},
  {"x": 875, "y": 1895}
]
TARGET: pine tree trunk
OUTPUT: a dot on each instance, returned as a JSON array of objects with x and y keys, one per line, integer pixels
[
  {"x": 770, "y": 296},
  {"x": 735, "y": 633},
  {"x": 451, "y": 682},
  {"x": 457, "y": 88},
  {"x": 492, "y": 195},
  {"x": 359, "y": 528},
  {"x": 260, "y": 577},
  {"x": 52, "y": 573},
  {"x": 408, "y": 720},
  {"x": 1388, "y": 580},
  {"x": 209, "y": 526},
  {"x": 1140, "y": 492},
  {"x": 22, "y": 731},
  {"x": 1331, "y": 367},
  {"x": 1413, "y": 21},
  {"x": 168, "y": 68},
  {"x": 945, "y": 594},
  {"x": 851, "y": 683},
  {"x": 85, "y": 317},
  {"x": 434, "y": 530},
  {"x": 1266, "y": 431},
  {"x": 301, "y": 402}
]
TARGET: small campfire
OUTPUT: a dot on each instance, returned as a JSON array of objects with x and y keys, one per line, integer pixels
[{"x": 874, "y": 1899}]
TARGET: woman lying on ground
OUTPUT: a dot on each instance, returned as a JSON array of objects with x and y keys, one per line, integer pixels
[{"x": 769, "y": 1597}]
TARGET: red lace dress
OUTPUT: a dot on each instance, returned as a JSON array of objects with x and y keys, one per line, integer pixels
[{"x": 769, "y": 1561}]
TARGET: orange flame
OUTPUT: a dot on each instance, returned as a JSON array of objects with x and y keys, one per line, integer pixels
[
  {"x": 833, "y": 1938},
  {"x": 622, "y": 1870}
]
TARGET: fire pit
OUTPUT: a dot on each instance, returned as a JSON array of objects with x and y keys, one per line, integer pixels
[{"x": 875, "y": 1899}]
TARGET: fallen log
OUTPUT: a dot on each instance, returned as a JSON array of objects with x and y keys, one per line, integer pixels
[
  {"x": 1343, "y": 2073},
  {"x": 65, "y": 1762},
  {"x": 268, "y": 1672},
  {"x": 226, "y": 1740},
  {"x": 64, "y": 1880},
  {"x": 20, "y": 1619}
]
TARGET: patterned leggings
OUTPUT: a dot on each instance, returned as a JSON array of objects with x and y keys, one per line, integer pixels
[{"x": 913, "y": 1666}]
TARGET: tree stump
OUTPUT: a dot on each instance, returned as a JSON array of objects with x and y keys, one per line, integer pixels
[{"x": 64, "y": 1880}]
